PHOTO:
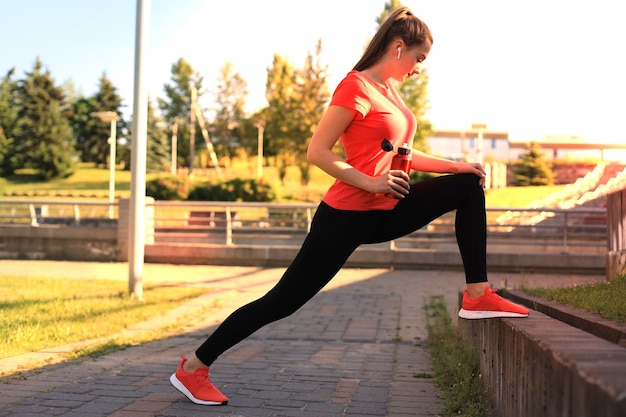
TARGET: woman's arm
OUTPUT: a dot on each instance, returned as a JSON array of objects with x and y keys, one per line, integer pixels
[
  {"x": 320, "y": 153},
  {"x": 428, "y": 163}
]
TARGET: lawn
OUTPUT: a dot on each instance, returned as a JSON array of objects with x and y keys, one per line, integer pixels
[
  {"x": 39, "y": 313},
  {"x": 605, "y": 299},
  {"x": 91, "y": 182}
]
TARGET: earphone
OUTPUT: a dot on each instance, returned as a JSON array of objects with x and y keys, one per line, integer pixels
[{"x": 399, "y": 50}]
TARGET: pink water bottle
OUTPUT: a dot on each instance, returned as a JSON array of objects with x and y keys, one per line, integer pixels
[{"x": 401, "y": 161}]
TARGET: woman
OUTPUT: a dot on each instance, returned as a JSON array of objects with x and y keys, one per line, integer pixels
[{"x": 365, "y": 109}]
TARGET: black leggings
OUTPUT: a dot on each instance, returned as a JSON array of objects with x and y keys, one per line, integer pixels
[{"x": 335, "y": 234}]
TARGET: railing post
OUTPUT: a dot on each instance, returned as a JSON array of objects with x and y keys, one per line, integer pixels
[
  {"x": 229, "y": 227},
  {"x": 33, "y": 215},
  {"x": 565, "y": 220},
  {"x": 309, "y": 219},
  {"x": 76, "y": 213}
]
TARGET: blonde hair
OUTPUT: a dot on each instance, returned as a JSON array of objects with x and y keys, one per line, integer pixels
[{"x": 401, "y": 23}]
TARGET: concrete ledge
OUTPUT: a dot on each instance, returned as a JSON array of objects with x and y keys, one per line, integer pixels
[
  {"x": 591, "y": 323},
  {"x": 59, "y": 243},
  {"x": 540, "y": 366},
  {"x": 368, "y": 256}
]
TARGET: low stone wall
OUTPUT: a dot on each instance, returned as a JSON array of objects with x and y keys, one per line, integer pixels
[
  {"x": 369, "y": 256},
  {"x": 59, "y": 243},
  {"x": 541, "y": 367}
]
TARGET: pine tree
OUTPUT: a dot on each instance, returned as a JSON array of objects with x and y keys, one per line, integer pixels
[
  {"x": 157, "y": 154},
  {"x": 176, "y": 106},
  {"x": 533, "y": 168},
  {"x": 83, "y": 125},
  {"x": 43, "y": 139},
  {"x": 8, "y": 119},
  {"x": 92, "y": 134}
]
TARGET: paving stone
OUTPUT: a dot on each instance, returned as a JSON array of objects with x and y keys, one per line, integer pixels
[{"x": 351, "y": 351}]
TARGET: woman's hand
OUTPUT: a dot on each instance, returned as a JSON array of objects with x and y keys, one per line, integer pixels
[
  {"x": 394, "y": 182},
  {"x": 472, "y": 168}
]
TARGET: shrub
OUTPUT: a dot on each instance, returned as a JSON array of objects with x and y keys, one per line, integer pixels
[
  {"x": 168, "y": 188},
  {"x": 233, "y": 190},
  {"x": 237, "y": 189}
]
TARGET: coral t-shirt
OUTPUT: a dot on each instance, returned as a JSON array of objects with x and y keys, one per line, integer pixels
[{"x": 381, "y": 114}]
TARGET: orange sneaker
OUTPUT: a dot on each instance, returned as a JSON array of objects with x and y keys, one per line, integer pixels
[
  {"x": 197, "y": 386},
  {"x": 489, "y": 305}
]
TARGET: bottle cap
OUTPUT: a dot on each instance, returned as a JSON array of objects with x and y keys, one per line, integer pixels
[{"x": 404, "y": 149}]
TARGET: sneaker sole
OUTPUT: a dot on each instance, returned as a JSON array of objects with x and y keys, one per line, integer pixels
[
  {"x": 475, "y": 315},
  {"x": 179, "y": 386}
]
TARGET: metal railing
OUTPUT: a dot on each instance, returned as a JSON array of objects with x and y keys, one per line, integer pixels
[
  {"x": 577, "y": 230},
  {"x": 60, "y": 212},
  {"x": 561, "y": 230}
]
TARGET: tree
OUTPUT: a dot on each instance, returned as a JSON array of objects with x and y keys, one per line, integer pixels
[
  {"x": 92, "y": 134},
  {"x": 311, "y": 98},
  {"x": 414, "y": 92},
  {"x": 278, "y": 115},
  {"x": 43, "y": 137},
  {"x": 8, "y": 119},
  {"x": 176, "y": 106},
  {"x": 157, "y": 154},
  {"x": 296, "y": 101},
  {"x": 533, "y": 168},
  {"x": 83, "y": 124},
  {"x": 230, "y": 98}
]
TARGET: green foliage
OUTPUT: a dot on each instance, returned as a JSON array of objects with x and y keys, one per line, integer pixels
[
  {"x": 280, "y": 84},
  {"x": 40, "y": 313},
  {"x": 296, "y": 101},
  {"x": 158, "y": 145},
  {"x": 8, "y": 119},
  {"x": 416, "y": 176},
  {"x": 91, "y": 133},
  {"x": 605, "y": 298},
  {"x": 237, "y": 189},
  {"x": 533, "y": 168},
  {"x": 43, "y": 137},
  {"x": 456, "y": 364},
  {"x": 228, "y": 126},
  {"x": 176, "y": 106},
  {"x": 158, "y": 155},
  {"x": 168, "y": 188}
]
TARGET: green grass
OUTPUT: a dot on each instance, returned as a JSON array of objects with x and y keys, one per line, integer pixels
[
  {"x": 456, "y": 364},
  {"x": 87, "y": 181},
  {"x": 518, "y": 197},
  {"x": 38, "y": 313},
  {"x": 92, "y": 182},
  {"x": 604, "y": 298}
]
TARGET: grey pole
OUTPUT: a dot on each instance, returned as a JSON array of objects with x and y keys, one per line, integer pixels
[{"x": 137, "y": 219}]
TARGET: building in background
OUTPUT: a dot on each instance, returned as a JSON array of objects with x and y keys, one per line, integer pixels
[{"x": 464, "y": 145}]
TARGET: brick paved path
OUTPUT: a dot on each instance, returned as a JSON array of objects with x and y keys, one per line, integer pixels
[{"x": 356, "y": 349}]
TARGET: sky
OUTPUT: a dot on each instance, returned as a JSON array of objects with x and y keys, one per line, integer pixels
[{"x": 532, "y": 68}]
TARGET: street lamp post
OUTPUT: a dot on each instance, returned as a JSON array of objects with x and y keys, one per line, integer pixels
[
  {"x": 480, "y": 127},
  {"x": 110, "y": 117},
  {"x": 260, "y": 124}
]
